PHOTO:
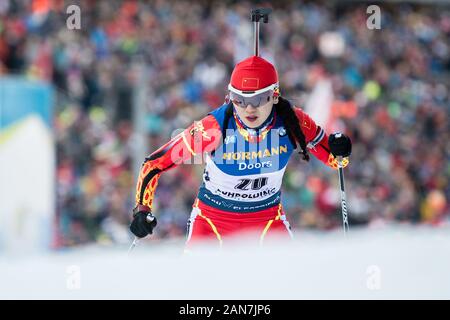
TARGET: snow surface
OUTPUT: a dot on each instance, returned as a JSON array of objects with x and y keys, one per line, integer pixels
[{"x": 388, "y": 263}]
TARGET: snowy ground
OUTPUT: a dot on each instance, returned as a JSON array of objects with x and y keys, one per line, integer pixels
[{"x": 393, "y": 263}]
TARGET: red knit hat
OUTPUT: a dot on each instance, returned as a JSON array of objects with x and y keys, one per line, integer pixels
[{"x": 253, "y": 76}]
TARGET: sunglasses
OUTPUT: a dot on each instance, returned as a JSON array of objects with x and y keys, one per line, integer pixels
[{"x": 255, "y": 101}]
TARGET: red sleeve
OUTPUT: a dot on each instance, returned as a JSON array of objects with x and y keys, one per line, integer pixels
[
  {"x": 201, "y": 136},
  {"x": 316, "y": 137}
]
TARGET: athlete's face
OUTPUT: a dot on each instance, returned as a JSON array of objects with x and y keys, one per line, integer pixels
[{"x": 252, "y": 116}]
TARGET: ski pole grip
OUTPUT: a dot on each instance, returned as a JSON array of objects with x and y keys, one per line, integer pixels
[
  {"x": 149, "y": 218},
  {"x": 259, "y": 13}
]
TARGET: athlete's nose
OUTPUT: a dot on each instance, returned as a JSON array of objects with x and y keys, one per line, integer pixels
[{"x": 252, "y": 108}]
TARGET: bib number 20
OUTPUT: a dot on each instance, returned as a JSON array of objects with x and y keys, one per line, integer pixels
[{"x": 254, "y": 184}]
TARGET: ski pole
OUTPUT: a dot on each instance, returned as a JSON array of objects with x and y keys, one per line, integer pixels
[
  {"x": 149, "y": 218},
  {"x": 256, "y": 15},
  {"x": 343, "y": 198}
]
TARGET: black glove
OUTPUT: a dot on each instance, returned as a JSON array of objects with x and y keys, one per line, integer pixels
[
  {"x": 340, "y": 145},
  {"x": 143, "y": 223}
]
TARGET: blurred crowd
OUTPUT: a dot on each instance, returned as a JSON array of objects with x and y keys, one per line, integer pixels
[{"x": 180, "y": 55}]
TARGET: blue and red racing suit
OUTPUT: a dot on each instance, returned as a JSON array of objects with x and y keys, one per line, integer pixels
[{"x": 241, "y": 189}]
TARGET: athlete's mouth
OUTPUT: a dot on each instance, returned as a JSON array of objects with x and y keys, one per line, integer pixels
[{"x": 251, "y": 118}]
